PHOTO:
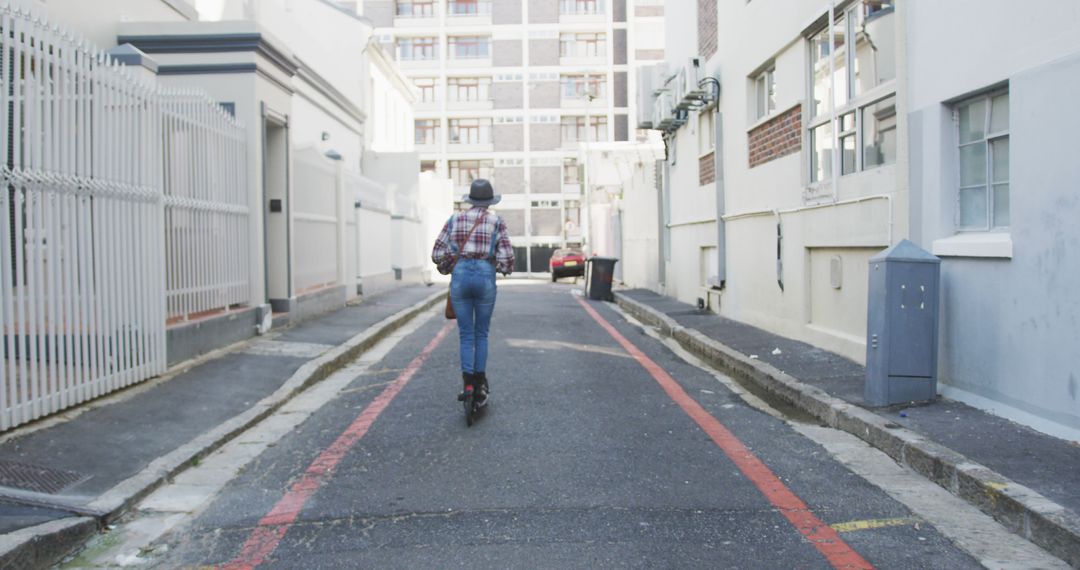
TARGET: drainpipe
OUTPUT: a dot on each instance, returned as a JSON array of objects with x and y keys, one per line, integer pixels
[{"x": 721, "y": 227}]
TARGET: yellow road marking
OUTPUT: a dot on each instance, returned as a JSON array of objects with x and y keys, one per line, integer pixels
[{"x": 874, "y": 523}]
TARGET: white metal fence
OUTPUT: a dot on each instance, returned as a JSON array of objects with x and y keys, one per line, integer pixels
[
  {"x": 206, "y": 212},
  {"x": 82, "y": 229},
  {"x": 315, "y": 220}
]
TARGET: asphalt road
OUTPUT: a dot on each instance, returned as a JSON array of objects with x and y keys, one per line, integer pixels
[{"x": 587, "y": 457}]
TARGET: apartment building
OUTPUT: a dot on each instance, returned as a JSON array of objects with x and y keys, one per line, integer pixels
[
  {"x": 842, "y": 128},
  {"x": 510, "y": 89}
]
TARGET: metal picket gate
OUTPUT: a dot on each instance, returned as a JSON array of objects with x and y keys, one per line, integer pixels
[{"x": 83, "y": 236}]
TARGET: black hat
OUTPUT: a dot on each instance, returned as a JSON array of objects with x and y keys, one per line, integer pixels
[{"x": 481, "y": 194}]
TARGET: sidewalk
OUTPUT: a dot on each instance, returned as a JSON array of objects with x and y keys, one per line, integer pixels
[
  {"x": 61, "y": 478},
  {"x": 1025, "y": 479}
]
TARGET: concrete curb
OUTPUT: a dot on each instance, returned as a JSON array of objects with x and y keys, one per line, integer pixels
[
  {"x": 1019, "y": 508},
  {"x": 46, "y": 544}
]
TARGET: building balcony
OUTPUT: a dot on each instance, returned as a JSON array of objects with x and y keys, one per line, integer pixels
[
  {"x": 571, "y": 189},
  {"x": 580, "y": 60},
  {"x": 470, "y": 147}
]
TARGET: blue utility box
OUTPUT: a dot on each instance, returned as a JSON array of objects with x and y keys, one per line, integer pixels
[{"x": 902, "y": 326}]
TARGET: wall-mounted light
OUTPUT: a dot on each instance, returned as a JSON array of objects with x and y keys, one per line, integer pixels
[{"x": 325, "y": 136}]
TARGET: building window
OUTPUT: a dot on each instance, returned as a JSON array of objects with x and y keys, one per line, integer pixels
[
  {"x": 469, "y": 88},
  {"x": 984, "y": 162},
  {"x": 570, "y": 171},
  {"x": 416, "y": 8},
  {"x": 879, "y": 133},
  {"x": 418, "y": 49},
  {"x": 470, "y": 131},
  {"x": 426, "y": 87},
  {"x": 427, "y": 131},
  {"x": 463, "y": 172},
  {"x": 574, "y": 129},
  {"x": 583, "y": 45},
  {"x": 853, "y": 109},
  {"x": 765, "y": 94},
  {"x": 428, "y": 166},
  {"x": 581, "y": 7},
  {"x": 469, "y": 7},
  {"x": 470, "y": 47},
  {"x": 583, "y": 86}
]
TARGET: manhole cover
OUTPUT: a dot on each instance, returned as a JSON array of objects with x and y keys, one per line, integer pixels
[{"x": 37, "y": 479}]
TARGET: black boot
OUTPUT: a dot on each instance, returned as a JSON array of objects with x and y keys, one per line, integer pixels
[
  {"x": 481, "y": 388},
  {"x": 469, "y": 381}
]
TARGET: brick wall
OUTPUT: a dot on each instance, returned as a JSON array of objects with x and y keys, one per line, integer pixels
[
  {"x": 707, "y": 169},
  {"x": 544, "y": 52},
  {"x": 707, "y": 28},
  {"x": 543, "y": 11},
  {"x": 545, "y": 95},
  {"x": 506, "y": 53},
  {"x": 509, "y": 180},
  {"x": 545, "y": 136},
  {"x": 622, "y": 128},
  {"x": 508, "y": 137},
  {"x": 620, "y": 89},
  {"x": 506, "y": 12},
  {"x": 779, "y": 137},
  {"x": 508, "y": 94},
  {"x": 545, "y": 179},
  {"x": 619, "y": 47}
]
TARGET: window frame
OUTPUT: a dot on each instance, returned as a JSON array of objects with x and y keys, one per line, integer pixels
[
  {"x": 988, "y": 138},
  {"x": 455, "y": 169},
  {"x": 428, "y": 46},
  {"x": 426, "y": 86},
  {"x": 479, "y": 8},
  {"x": 431, "y": 129},
  {"x": 583, "y": 44},
  {"x": 416, "y": 8},
  {"x": 470, "y": 126},
  {"x": 581, "y": 82},
  {"x": 581, "y": 7},
  {"x": 479, "y": 44},
  {"x": 765, "y": 93},
  {"x": 833, "y": 112},
  {"x": 470, "y": 85}
]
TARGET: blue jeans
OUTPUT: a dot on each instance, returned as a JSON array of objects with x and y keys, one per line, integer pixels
[{"x": 472, "y": 290}]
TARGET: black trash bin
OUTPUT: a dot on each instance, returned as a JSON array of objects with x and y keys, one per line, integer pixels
[{"x": 598, "y": 282}]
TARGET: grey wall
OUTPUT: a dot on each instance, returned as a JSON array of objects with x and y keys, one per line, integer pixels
[
  {"x": 544, "y": 95},
  {"x": 506, "y": 12},
  {"x": 506, "y": 53},
  {"x": 545, "y": 221},
  {"x": 545, "y": 179},
  {"x": 508, "y": 137},
  {"x": 543, "y": 11},
  {"x": 620, "y": 89},
  {"x": 618, "y": 46},
  {"x": 1009, "y": 327},
  {"x": 544, "y": 52},
  {"x": 545, "y": 136},
  {"x": 508, "y": 95},
  {"x": 380, "y": 12},
  {"x": 515, "y": 221},
  {"x": 509, "y": 179},
  {"x": 622, "y": 128},
  {"x": 618, "y": 10}
]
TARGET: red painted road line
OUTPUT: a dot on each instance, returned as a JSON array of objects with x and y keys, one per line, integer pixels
[
  {"x": 821, "y": 535},
  {"x": 272, "y": 527}
]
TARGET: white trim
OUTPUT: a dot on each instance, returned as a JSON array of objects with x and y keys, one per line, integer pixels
[
  {"x": 975, "y": 244},
  {"x": 1010, "y": 413}
]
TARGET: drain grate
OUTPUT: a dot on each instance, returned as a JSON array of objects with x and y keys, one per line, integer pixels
[{"x": 38, "y": 479}]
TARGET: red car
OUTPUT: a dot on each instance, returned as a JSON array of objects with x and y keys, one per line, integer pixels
[{"x": 567, "y": 263}]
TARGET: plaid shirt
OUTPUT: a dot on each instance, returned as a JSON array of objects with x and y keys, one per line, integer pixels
[{"x": 451, "y": 237}]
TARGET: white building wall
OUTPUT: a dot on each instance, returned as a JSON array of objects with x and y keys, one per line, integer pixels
[
  {"x": 99, "y": 21},
  {"x": 1008, "y": 323},
  {"x": 850, "y": 221}
]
